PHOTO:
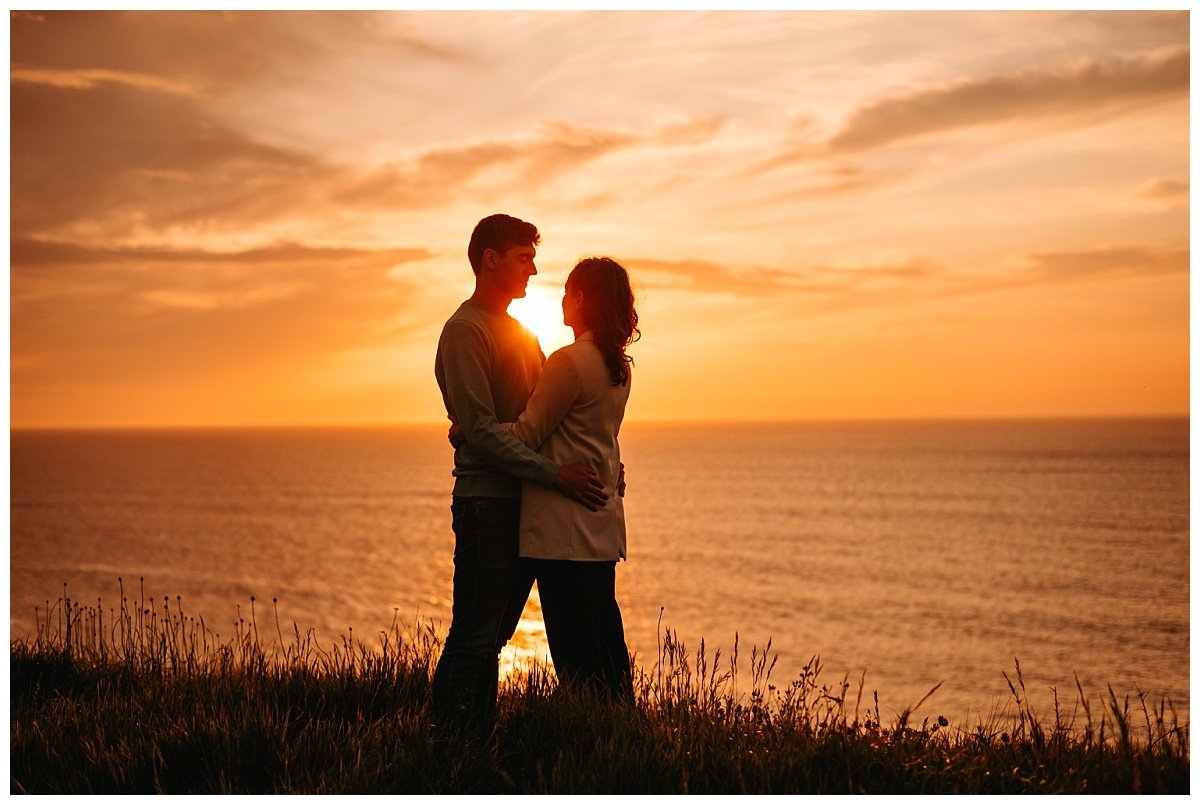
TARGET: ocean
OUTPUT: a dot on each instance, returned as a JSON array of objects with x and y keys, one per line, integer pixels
[{"x": 902, "y": 554}]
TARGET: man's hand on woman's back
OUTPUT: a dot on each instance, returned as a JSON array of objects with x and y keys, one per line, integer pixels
[
  {"x": 582, "y": 485},
  {"x": 576, "y": 481}
]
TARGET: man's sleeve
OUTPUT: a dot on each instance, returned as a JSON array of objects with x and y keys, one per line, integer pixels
[
  {"x": 556, "y": 390},
  {"x": 469, "y": 394}
]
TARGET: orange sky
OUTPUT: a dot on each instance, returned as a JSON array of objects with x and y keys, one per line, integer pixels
[{"x": 262, "y": 218}]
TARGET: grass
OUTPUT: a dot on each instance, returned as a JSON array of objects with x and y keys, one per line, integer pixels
[{"x": 146, "y": 699}]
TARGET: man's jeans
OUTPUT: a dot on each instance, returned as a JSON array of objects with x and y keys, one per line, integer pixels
[{"x": 491, "y": 585}]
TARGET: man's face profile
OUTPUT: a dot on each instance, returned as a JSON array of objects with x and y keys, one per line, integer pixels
[{"x": 514, "y": 268}]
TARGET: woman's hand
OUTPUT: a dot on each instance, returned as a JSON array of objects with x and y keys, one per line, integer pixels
[{"x": 456, "y": 436}]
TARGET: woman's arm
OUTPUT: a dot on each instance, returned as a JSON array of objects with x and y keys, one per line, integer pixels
[{"x": 556, "y": 389}]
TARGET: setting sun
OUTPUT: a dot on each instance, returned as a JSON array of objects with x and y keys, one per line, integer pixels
[
  {"x": 903, "y": 395},
  {"x": 928, "y": 232},
  {"x": 541, "y": 312}
]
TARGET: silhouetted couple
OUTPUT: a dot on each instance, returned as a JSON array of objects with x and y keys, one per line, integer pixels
[{"x": 538, "y": 476}]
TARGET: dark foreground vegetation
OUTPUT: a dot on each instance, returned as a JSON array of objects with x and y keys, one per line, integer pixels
[{"x": 147, "y": 699}]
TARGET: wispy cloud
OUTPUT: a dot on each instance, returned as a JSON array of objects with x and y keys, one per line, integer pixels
[
  {"x": 32, "y": 252},
  {"x": 121, "y": 127},
  {"x": 88, "y": 78},
  {"x": 1086, "y": 87},
  {"x": 709, "y": 277},
  {"x": 1030, "y": 271},
  {"x": 1126, "y": 261},
  {"x": 691, "y": 132},
  {"x": 215, "y": 51},
  {"x": 436, "y": 174},
  {"x": 199, "y": 279},
  {"x": 226, "y": 200},
  {"x": 1161, "y": 189},
  {"x": 551, "y": 148},
  {"x": 1080, "y": 92},
  {"x": 764, "y": 282},
  {"x": 848, "y": 287},
  {"x": 120, "y": 159},
  {"x": 196, "y": 328}
]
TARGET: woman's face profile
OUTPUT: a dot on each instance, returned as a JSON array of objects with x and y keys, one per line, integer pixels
[{"x": 571, "y": 302}]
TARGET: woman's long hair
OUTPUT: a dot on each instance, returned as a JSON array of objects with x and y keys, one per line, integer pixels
[{"x": 607, "y": 311}]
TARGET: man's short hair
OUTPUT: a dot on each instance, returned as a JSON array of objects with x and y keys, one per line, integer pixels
[{"x": 500, "y": 233}]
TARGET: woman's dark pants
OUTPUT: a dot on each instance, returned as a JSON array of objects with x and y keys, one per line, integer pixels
[{"x": 584, "y": 627}]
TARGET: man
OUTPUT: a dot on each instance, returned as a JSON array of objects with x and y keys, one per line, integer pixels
[{"x": 487, "y": 365}]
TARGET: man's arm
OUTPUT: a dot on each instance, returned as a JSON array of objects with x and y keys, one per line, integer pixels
[
  {"x": 469, "y": 398},
  {"x": 552, "y": 397},
  {"x": 464, "y": 364}
]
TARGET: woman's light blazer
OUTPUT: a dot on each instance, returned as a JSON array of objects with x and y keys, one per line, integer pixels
[{"x": 574, "y": 415}]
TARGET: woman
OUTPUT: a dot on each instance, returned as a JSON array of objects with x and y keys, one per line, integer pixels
[{"x": 574, "y": 415}]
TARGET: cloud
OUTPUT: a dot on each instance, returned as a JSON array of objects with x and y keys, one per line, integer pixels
[
  {"x": 708, "y": 277},
  {"x": 32, "y": 252},
  {"x": 692, "y": 132},
  {"x": 828, "y": 288},
  {"x": 1127, "y": 261},
  {"x": 1087, "y": 87},
  {"x": 194, "y": 278},
  {"x": 89, "y": 78},
  {"x": 512, "y": 163},
  {"x": 117, "y": 139},
  {"x": 72, "y": 304},
  {"x": 117, "y": 158},
  {"x": 1059, "y": 267},
  {"x": 829, "y": 180},
  {"x": 215, "y": 51},
  {"x": 1161, "y": 189},
  {"x": 197, "y": 324},
  {"x": 119, "y": 123},
  {"x": 553, "y": 147}
]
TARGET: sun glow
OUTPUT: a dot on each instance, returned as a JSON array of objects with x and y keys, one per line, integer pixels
[
  {"x": 541, "y": 311},
  {"x": 883, "y": 245}
]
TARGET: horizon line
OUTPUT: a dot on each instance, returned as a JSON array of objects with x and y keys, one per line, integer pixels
[{"x": 631, "y": 422}]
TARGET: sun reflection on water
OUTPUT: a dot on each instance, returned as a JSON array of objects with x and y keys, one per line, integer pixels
[{"x": 528, "y": 645}]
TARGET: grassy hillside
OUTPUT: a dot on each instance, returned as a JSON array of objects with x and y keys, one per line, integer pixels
[{"x": 147, "y": 699}]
